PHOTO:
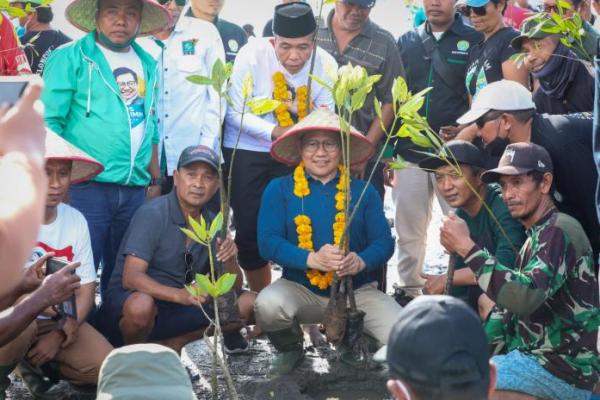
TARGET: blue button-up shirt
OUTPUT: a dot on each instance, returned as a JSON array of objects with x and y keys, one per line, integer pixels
[{"x": 370, "y": 235}]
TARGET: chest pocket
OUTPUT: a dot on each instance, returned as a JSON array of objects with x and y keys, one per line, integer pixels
[{"x": 190, "y": 63}]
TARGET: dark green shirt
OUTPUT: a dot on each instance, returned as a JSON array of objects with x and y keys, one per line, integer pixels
[{"x": 487, "y": 234}]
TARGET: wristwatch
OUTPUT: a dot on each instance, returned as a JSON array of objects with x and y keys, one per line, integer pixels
[{"x": 156, "y": 181}]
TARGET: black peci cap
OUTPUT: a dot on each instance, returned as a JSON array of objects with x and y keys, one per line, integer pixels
[{"x": 294, "y": 20}]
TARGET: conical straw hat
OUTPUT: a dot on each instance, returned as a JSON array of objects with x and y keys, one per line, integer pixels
[
  {"x": 286, "y": 148},
  {"x": 84, "y": 166},
  {"x": 82, "y": 14}
]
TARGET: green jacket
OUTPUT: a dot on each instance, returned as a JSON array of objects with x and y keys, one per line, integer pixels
[{"x": 83, "y": 105}]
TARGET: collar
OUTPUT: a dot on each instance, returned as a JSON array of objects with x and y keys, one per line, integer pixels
[
  {"x": 542, "y": 222},
  {"x": 368, "y": 29},
  {"x": 334, "y": 181},
  {"x": 175, "y": 209},
  {"x": 457, "y": 27},
  {"x": 90, "y": 47}
]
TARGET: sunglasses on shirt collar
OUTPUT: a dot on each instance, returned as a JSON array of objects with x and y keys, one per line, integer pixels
[
  {"x": 480, "y": 11},
  {"x": 180, "y": 3}
]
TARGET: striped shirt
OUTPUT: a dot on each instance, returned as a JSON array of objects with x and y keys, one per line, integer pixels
[{"x": 373, "y": 48}]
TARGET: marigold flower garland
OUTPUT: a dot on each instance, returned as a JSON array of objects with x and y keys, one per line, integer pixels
[
  {"x": 280, "y": 93},
  {"x": 304, "y": 225}
]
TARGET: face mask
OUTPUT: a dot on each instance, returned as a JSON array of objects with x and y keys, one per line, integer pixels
[
  {"x": 114, "y": 46},
  {"x": 20, "y": 30}
]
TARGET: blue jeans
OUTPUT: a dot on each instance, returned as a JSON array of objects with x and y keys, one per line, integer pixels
[
  {"x": 520, "y": 372},
  {"x": 108, "y": 208}
]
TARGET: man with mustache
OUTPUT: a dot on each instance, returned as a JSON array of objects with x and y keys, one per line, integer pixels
[
  {"x": 464, "y": 191},
  {"x": 85, "y": 105},
  {"x": 504, "y": 113},
  {"x": 146, "y": 299},
  {"x": 566, "y": 83},
  {"x": 548, "y": 318}
]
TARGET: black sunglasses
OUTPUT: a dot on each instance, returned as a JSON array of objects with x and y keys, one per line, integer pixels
[
  {"x": 189, "y": 273},
  {"x": 480, "y": 11},
  {"x": 487, "y": 117},
  {"x": 180, "y": 3}
]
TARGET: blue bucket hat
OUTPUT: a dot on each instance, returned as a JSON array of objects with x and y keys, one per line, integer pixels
[{"x": 477, "y": 3}]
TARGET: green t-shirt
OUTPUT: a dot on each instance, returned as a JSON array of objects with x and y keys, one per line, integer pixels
[{"x": 486, "y": 233}]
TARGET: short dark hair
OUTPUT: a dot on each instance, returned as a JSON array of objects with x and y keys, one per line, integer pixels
[
  {"x": 496, "y": 2},
  {"x": 44, "y": 14},
  {"x": 523, "y": 116}
]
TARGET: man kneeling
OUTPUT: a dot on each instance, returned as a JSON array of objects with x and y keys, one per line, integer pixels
[
  {"x": 548, "y": 301},
  {"x": 146, "y": 299},
  {"x": 51, "y": 345},
  {"x": 297, "y": 226}
]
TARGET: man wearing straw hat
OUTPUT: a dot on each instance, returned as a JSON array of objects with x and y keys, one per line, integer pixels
[
  {"x": 280, "y": 68},
  {"x": 300, "y": 224},
  {"x": 49, "y": 342},
  {"x": 100, "y": 95}
]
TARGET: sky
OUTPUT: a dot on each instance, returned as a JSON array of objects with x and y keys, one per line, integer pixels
[{"x": 390, "y": 14}]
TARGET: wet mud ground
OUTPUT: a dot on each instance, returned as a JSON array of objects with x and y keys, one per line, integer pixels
[{"x": 320, "y": 376}]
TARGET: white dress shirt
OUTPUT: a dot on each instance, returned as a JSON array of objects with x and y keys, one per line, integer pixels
[
  {"x": 188, "y": 113},
  {"x": 258, "y": 57}
]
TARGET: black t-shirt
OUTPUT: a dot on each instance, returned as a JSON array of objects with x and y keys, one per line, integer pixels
[
  {"x": 568, "y": 140},
  {"x": 38, "y": 46},
  {"x": 486, "y": 58},
  {"x": 579, "y": 96},
  {"x": 448, "y": 99}
]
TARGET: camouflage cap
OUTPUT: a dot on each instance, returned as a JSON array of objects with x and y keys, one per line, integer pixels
[
  {"x": 532, "y": 28},
  {"x": 519, "y": 159}
]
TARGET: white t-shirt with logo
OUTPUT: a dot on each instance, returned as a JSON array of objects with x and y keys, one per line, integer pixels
[
  {"x": 69, "y": 238},
  {"x": 129, "y": 73}
]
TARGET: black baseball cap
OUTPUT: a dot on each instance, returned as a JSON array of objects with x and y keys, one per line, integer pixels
[
  {"x": 364, "y": 3},
  {"x": 519, "y": 159},
  {"x": 438, "y": 342},
  {"x": 198, "y": 153},
  {"x": 460, "y": 150}
]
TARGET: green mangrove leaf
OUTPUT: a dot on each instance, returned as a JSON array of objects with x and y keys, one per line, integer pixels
[
  {"x": 262, "y": 105},
  {"x": 216, "y": 225},
  {"x": 193, "y": 236},
  {"x": 225, "y": 283},
  {"x": 205, "y": 284},
  {"x": 199, "y": 228},
  {"x": 247, "y": 86},
  {"x": 200, "y": 80},
  {"x": 400, "y": 90},
  {"x": 398, "y": 163}
]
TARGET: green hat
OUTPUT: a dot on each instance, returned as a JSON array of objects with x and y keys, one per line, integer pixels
[
  {"x": 82, "y": 14},
  {"x": 35, "y": 3},
  {"x": 144, "y": 371},
  {"x": 532, "y": 28}
]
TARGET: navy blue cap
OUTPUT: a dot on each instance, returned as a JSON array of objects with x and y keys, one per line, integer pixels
[
  {"x": 364, "y": 3},
  {"x": 198, "y": 153}
]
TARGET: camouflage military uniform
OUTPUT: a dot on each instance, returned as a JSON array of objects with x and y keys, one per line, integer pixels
[{"x": 549, "y": 299}]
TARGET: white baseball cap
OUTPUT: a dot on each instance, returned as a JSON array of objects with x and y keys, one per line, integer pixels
[{"x": 501, "y": 95}]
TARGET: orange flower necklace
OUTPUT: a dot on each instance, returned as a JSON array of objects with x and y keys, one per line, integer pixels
[
  {"x": 280, "y": 93},
  {"x": 304, "y": 225}
]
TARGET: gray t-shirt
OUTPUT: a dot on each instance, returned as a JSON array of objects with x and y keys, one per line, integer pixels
[{"x": 154, "y": 235}]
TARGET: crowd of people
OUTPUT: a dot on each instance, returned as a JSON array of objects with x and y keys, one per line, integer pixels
[{"x": 115, "y": 150}]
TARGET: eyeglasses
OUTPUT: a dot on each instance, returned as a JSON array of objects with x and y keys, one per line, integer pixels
[
  {"x": 480, "y": 11},
  {"x": 487, "y": 117},
  {"x": 312, "y": 146},
  {"x": 180, "y": 3},
  {"x": 189, "y": 273},
  {"x": 550, "y": 8}
]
